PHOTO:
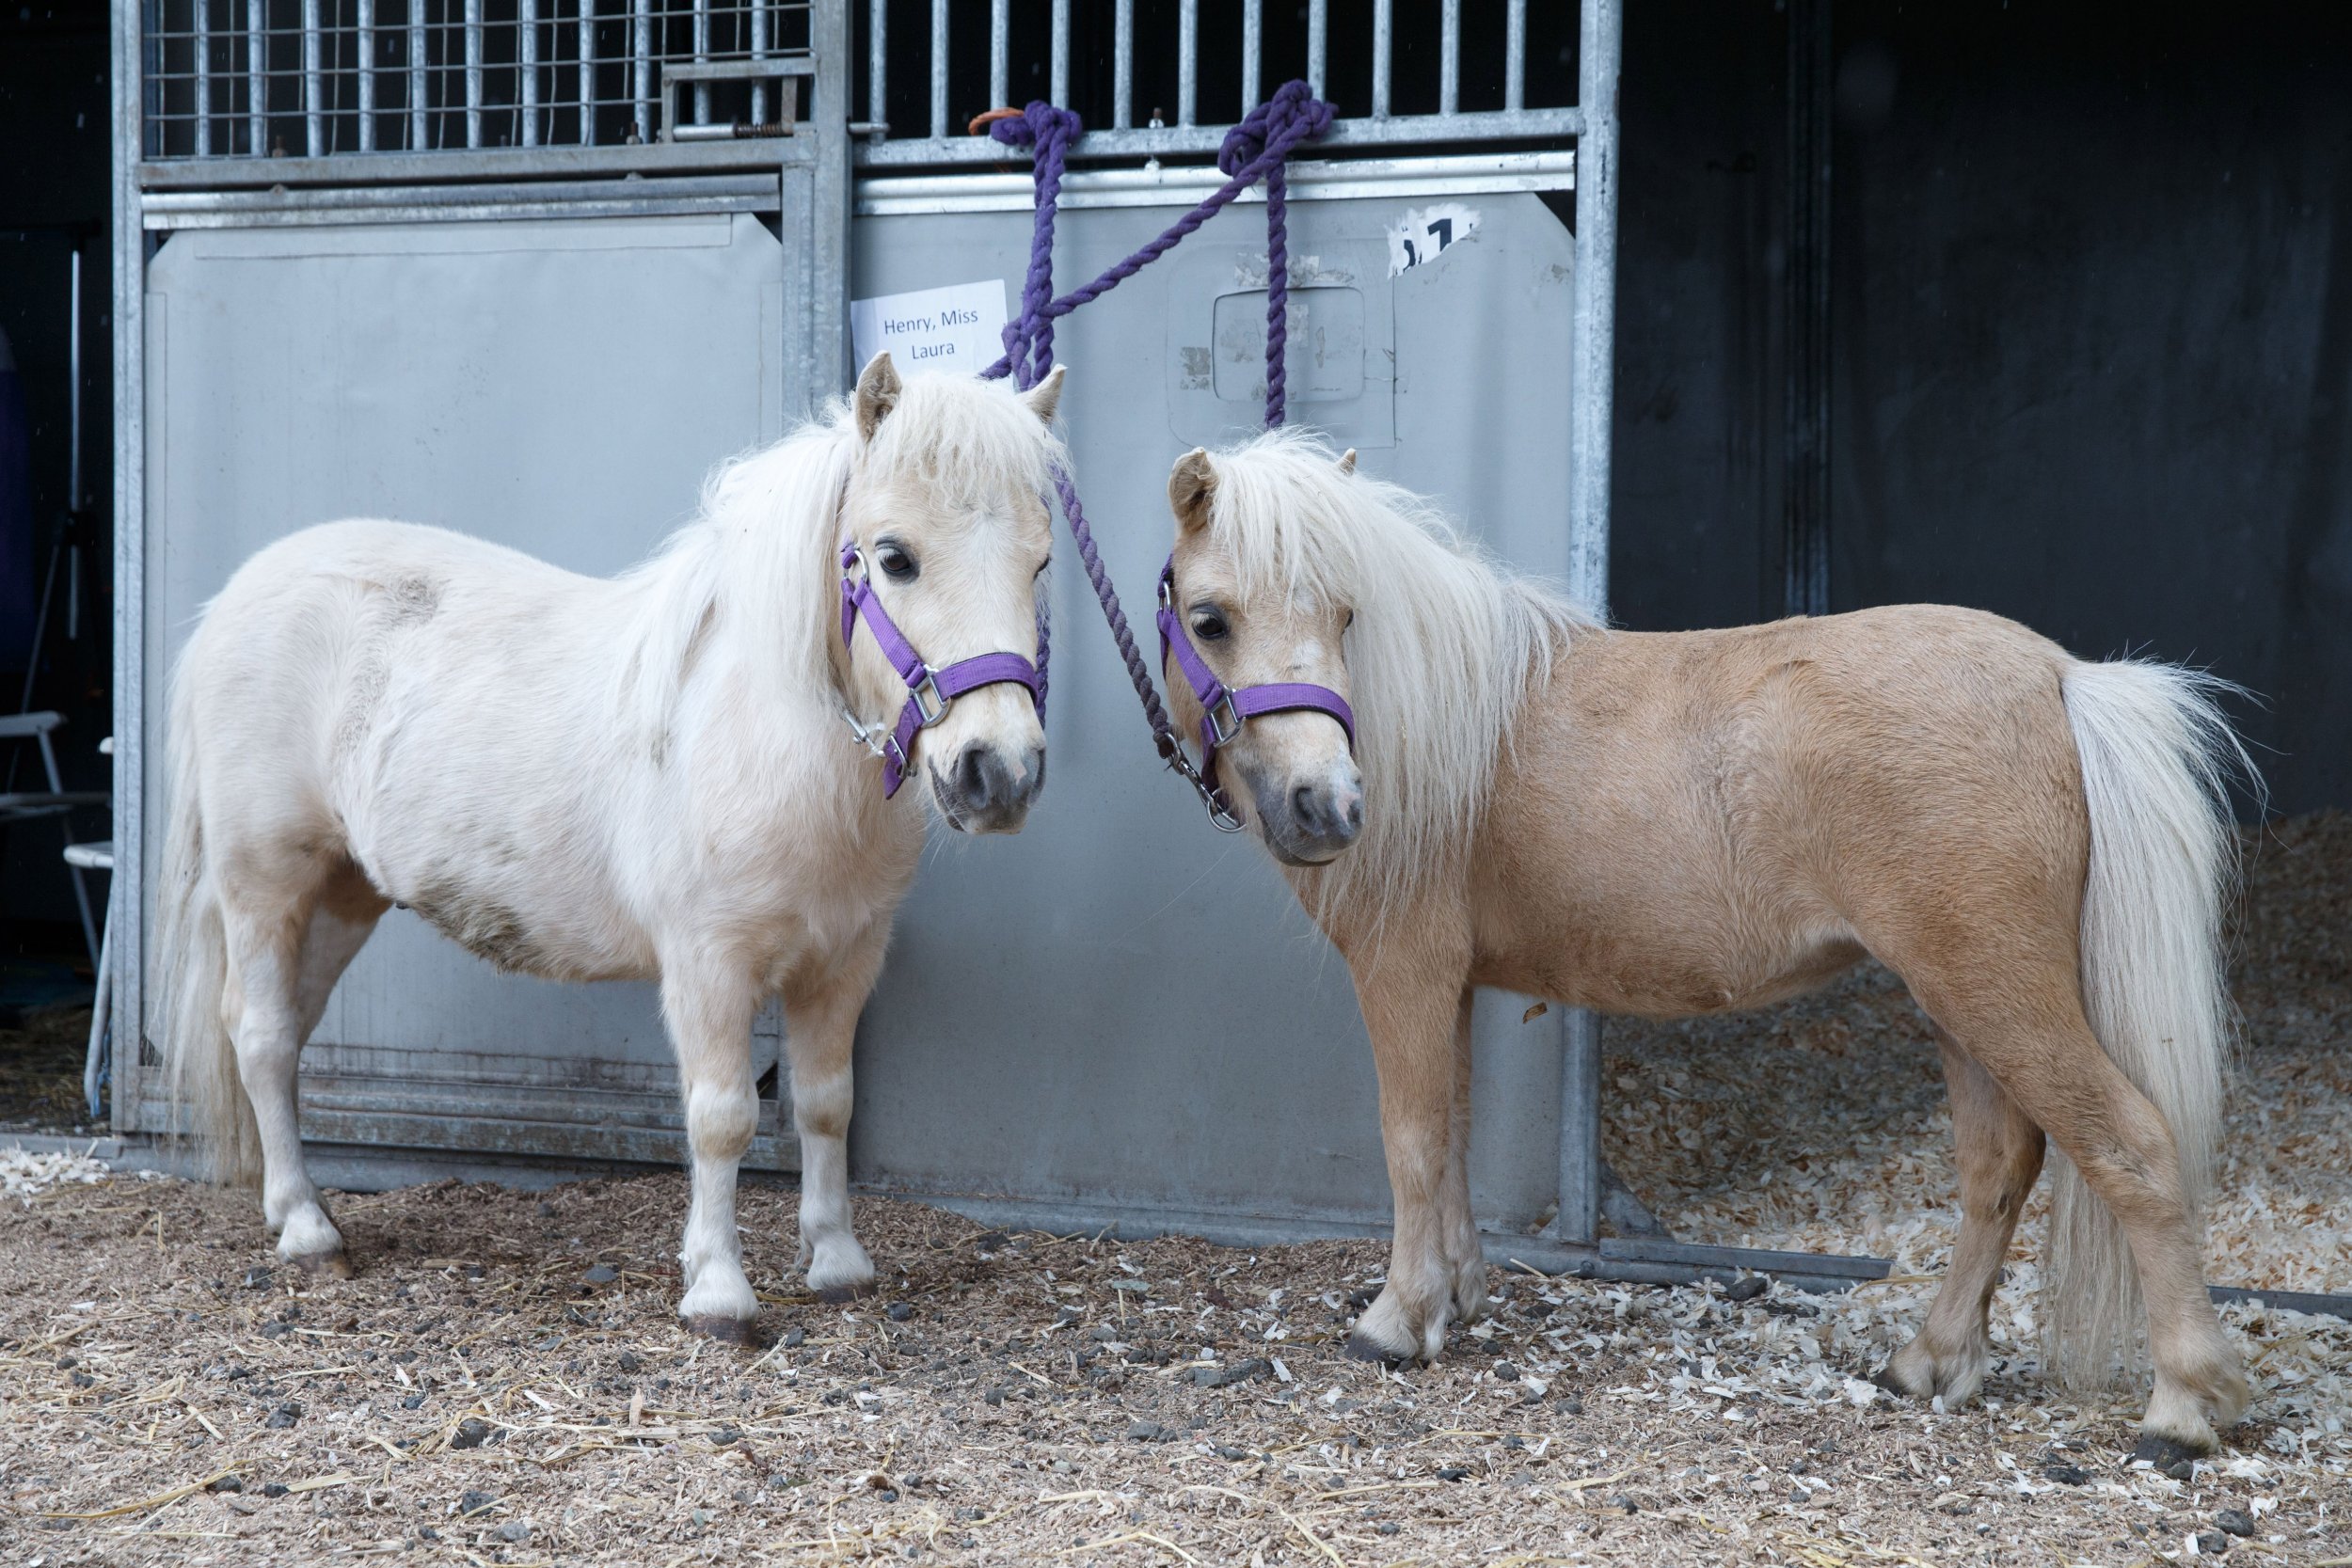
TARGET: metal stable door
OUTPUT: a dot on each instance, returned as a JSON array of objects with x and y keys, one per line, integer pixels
[{"x": 551, "y": 356}]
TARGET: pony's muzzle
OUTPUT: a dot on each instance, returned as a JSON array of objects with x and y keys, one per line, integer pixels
[
  {"x": 1313, "y": 822},
  {"x": 990, "y": 790}
]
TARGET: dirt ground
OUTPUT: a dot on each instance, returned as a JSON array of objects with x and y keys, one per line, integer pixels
[{"x": 504, "y": 1383}]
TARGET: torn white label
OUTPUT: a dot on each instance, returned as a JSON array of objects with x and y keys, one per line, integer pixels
[
  {"x": 1425, "y": 233},
  {"x": 958, "y": 330}
]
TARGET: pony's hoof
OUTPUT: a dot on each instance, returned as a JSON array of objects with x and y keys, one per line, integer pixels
[
  {"x": 1360, "y": 1348},
  {"x": 841, "y": 1295},
  {"x": 727, "y": 1331},
  {"x": 2166, "y": 1453},
  {"x": 330, "y": 1265}
]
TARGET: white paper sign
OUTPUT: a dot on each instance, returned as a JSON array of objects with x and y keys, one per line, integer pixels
[
  {"x": 1425, "y": 233},
  {"x": 958, "y": 330}
]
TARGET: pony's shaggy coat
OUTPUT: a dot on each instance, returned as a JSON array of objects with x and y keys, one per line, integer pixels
[
  {"x": 640, "y": 777},
  {"x": 1673, "y": 824}
]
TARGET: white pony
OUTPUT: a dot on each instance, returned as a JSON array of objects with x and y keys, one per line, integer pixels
[{"x": 641, "y": 777}]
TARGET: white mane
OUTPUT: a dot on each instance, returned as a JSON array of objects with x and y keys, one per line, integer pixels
[
  {"x": 758, "y": 560},
  {"x": 1446, "y": 646}
]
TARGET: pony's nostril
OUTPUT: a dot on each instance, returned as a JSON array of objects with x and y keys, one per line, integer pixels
[
  {"x": 1305, "y": 811},
  {"x": 972, "y": 776},
  {"x": 1356, "y": 815}
]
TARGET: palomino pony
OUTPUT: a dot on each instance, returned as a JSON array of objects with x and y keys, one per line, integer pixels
[
  {"x": 1666, "y": 825},
  {"x": 584, "y": 779}
]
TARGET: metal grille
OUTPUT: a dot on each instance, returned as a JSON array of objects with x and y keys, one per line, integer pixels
[{"x": 315, "y": 79}]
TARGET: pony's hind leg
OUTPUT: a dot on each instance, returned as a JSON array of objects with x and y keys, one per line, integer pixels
[
  {"x": 708, "y": 1005},
  {"x": 820, "y": 1025},
  {"x": 286, "y": 949},
  {"x": 2000, "y": 1155},
  {"x": 1466, "y": 1253}
]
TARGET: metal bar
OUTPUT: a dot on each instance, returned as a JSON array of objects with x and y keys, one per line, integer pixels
[
  {"x": 1515, "y": 57},
  {"x": 760, "y": 52},
  {"x": 1149, "y": 141},
  {"x": 586, "y": 45},
  {"x": 877, "y": 61},
  {"x": 313, "y": 83},
  {"x": 74, "y": 382},
  {"x": 366, "y": 65},
  {"x": 130, "y": 539},
  {"x": 203, "y": 31},
  {"x": 1318, "y": 45},
  {"x": 882, "y": 193},
  {"x": 641, "y": 67},
  {"x": 2284, "y": 1301},
  {"x": 1123, "y": 66},
  {"x": 1806, "y": 403},
  {"x": 1449, "y": 58},
  {"x": 1252, "y": 26},
  {"x": 999, "y": 45},
  {"x": 527, "y": 67},
  {"x": 1061, "y": 52},
  {"x": 420, "y": 126},
  {"x": 938, "y": 69},
  {"x": 831, "y": 368},
  {"x": 256, "y": 79},
  {"x": 1382, "y": 43},
  {"x": 1580, "y": 1126},
  {"x": 1187, "y": 61},
  {"x": 747, "y": 189},
  {"x": 394, "y": 209},
  {"x": 513, "y": 163},
  {"x": 474, "y": 72},
  {"x": 702, "y": 56}
]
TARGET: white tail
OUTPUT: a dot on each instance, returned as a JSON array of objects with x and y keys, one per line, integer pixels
[
  {"x": 208, "y": 1098},
  {"x": 2158, "y": 758}
]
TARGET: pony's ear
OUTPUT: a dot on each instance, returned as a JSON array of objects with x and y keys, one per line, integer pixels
[
  {"x": 1191, "y": 484},
  {"x": 1045, "y": 396},
  {"x": 878, "y": 389},
  {"x": 1347, "y": 461}
]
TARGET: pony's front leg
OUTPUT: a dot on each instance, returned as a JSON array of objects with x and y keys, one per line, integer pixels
[
  {"x": 1412, "y": 1001},
  {"x": 708, "y": 1005},
  {"x": 820, "y": 1013}
]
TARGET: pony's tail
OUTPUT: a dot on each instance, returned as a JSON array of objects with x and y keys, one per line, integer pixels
[
  {"x": 207, "y": 1097},
  {"x": 2157, "y": 759}
]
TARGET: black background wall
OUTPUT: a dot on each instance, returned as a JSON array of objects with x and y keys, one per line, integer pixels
[{"x": 2090, "y": 329}]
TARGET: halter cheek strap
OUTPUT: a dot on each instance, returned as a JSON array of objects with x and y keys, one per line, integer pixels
[
  {"x": 1225, "y": 709},
  {"x": 930, "y": 690}
]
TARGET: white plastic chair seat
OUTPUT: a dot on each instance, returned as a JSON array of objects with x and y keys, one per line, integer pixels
[{"x": 91, "y": 857}]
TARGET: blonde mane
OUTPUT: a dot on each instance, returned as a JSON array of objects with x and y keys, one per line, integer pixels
[
  {"x": 1447, "y": 645},
  {"x": 758, "y": 561}
]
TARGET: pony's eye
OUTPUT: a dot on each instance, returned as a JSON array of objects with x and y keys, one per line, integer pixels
[
  {"x": 896, "y": 563},
  {"x": 1349, "y": 622},
  {"x": 1208, "y": 625}
]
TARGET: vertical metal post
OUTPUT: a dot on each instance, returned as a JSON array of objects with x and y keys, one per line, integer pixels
[
  {"x": 1382, "y": 43},
  {"x": 1123, "y": 66},
  {"x": 1061, "y": 52},
  {"x": 130, "y": 550},
  {"x": 939, "y": 68},
  {"x": 1252, "y": 45},
  {"x": 475, "y": 72},
  {"x": 760, "y": 52},
  {"x": 1449, "y": 58},
  {"x": 1592, "y": 332},
  {"x": 876, "y": 61},
  {"x": 527, "y": 66},
  {"x": 419, "y": 125},
  {"x": 702, "y": 56},
  {"x": 829, "y": 367},
  {"x": 999, "y": 45},
  {"x": 587, "y": 49},
  {"x": 1806, "y": 471},
  {"x": 367, "y": 74},
  {"x": 313, "y": 95},
  {"x": 204, "y": 30},
  {"x": 640, "y": 66},
  {"x": 1318, "y": 46},
  {"x": 256, "y": 79},
  {"x": 1515, "y": 56},
  {"x": 1187, "y": 61}
]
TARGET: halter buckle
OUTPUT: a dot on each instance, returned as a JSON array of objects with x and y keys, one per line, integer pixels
[
  {"x": 930, "y": 683},
  {"x": 1223, "y": 734}
]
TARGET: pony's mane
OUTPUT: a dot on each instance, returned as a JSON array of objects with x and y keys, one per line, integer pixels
[
  {"x": 757, "y": 560},
  {"x": 1446, "y": 645}
]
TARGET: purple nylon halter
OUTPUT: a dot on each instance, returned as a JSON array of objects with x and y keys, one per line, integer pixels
[
  {"x": 1237, "y": 705},
  {"x": 1254, "y": 150},
  {"x": 859, "y": 601}
]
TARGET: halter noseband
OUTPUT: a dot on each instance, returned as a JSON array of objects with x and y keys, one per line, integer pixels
[
  {"x": 940, "y": 686},
  {"x": 1224, "y": 711}
]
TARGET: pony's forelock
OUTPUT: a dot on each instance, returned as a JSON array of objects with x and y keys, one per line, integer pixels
[{"x": 1446, "y": 646}]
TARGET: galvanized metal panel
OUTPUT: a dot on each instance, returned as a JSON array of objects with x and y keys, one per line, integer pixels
[
  {"x": 557, "y": 386},
  {"x": 1151, "y": 1029}
]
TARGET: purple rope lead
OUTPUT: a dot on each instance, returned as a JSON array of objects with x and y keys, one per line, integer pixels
[{"x": 1255, "y": 150}]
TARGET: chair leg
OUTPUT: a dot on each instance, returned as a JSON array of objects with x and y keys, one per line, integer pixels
[
  {"x": 81, "y": 888},
  {"x": 102, "y": 1013}
]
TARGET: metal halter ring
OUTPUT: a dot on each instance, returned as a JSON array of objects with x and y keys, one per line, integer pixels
[{"x": 928, "y": 683}]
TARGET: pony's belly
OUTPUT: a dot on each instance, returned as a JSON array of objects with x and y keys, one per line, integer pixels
[{"x": 1667, "y": 974}]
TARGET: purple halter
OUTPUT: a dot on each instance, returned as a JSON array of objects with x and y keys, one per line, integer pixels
[
  {"x": 942, "y": 687},
  {"x": 1225, "y": 709}
]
